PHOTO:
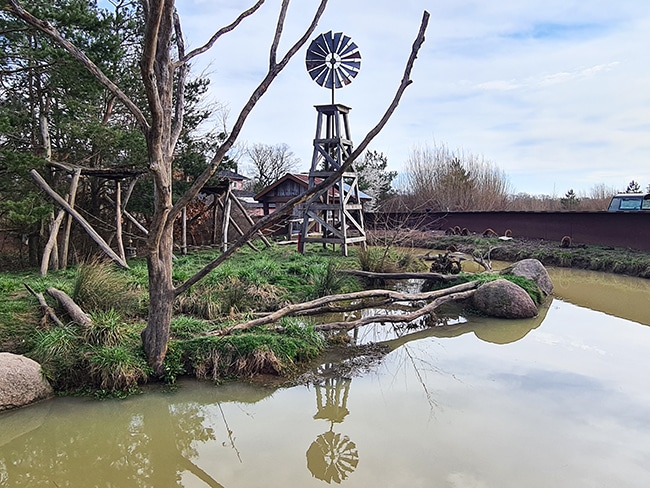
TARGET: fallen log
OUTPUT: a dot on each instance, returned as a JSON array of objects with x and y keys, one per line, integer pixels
[
  {"x": 46, "y": 310},
  {"x": 442, "y": 278},
  {"x": 396, "y": 318},
  {"x": 72, "y": 309},
  {"x": 388, "y": 296}
]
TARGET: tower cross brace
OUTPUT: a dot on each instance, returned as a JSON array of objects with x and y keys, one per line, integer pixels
[{"x": 336, "y": 215}]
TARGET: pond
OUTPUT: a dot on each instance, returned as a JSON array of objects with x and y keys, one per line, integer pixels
[{"x": 561, "y": 400}]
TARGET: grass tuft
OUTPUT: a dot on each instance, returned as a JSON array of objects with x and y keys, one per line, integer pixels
[
  {"x": 99, "y": 286},
  {"x": 116, "y": 368}
]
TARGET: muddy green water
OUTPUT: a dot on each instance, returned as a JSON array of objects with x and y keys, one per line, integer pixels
[{"x": 559, "y": 401}]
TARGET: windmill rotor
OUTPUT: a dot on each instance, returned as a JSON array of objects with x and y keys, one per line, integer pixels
[{"x": 333, "y": 60}]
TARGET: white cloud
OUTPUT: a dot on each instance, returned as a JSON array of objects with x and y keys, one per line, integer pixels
[{"x": 553, "y": 92}]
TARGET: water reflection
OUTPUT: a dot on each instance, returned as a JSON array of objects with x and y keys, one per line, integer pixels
[
  {"x": 565, "y": 402},
  {"x": 142, "y": 441},
  {"x": 622, "y": 296},
  {"x": 332, "y": 456}
]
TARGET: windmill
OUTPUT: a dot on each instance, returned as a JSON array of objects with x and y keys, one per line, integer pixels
[{"x": 334, "y": 215}]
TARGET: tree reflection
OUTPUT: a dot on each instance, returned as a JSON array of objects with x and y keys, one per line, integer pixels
[
  {"x": 332, "y": 456},
  {"x": 138, "y": 444}
]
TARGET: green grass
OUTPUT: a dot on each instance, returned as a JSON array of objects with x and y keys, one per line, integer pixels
[{"x": 107, "y": 357}]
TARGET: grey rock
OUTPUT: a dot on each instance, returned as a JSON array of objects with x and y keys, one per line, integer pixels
[
  {"x": 533, "y": 270},
  {"x": 502, "y": 298},
  {"x": 21, "y": 381}
]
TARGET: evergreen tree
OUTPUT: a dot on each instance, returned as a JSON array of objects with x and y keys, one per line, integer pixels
[
  {"x": 570, "y": 200},
  {"x": 374, "y": 180}
]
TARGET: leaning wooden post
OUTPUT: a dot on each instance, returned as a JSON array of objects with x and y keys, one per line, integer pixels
[
  {"x": 68, "y": 225},
  {"x": 184, "y": 232},
  {"x": 87, "y": 227},
  {"x": 51, "y": 249},
  {"x": 226, "y": 219},
  {"x": 51, "y": 242},
  {"x": 118, "y": 219}
]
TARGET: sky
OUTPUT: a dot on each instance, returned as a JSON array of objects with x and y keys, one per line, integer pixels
[{"x": 555, "y": 93}]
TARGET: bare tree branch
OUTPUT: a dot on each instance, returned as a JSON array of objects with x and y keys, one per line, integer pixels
[
  {"x": 273, "y": 72},
  {"x": 183, "y": 71},
  {"x": 324, "y": 185},
  {"x": 393, "y": 296},
  {"x": 278, "y": 34},
  {"x": 397, "y": 318},
  {"x": 220, "y": 32},
  {"x": 46, "y": 310}
]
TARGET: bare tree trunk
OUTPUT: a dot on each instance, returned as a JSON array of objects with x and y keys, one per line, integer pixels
[{"x": 161, "y": 303}]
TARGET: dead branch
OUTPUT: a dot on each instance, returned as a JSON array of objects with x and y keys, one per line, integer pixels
[
  {"x": 388, "y": 296},
  {"x": 72, "y": 309},
  {"x": 322, "y": 187},
  {"x": 46, "y": 310},
  {"x": 484, "y": 260},
  {"x": 442, "y": 278},
  {"x": 348, "y": 308},
  {"x": 396, "y": 318}
]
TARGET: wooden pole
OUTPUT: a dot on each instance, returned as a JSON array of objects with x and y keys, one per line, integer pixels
[
  {"x": 184, "y": 242},
  {"x": 87, "y": 227},
  {"x": 118, "y": 219},
  {"x": 51, "y": 241},
  {"x": 226, "y": 219},
  {"x": 126, "y": 214},
  {"x": 68, "y": 225}
]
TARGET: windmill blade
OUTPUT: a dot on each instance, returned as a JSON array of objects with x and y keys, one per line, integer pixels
[{"x": 333, "y": 60}]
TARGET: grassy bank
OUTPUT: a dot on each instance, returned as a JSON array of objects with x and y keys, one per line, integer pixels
[
  {"x": 549, "y": 253},
  {"x": 106, "y": 357}
]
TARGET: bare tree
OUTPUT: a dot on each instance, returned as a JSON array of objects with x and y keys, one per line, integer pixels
[
  {"x": 269, "y": 163},
  {"x": 446, "y": 180},
  {"x": 164, "y": 71}
]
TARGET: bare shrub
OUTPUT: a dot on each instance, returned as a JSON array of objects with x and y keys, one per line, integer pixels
[{"x": 440, "y": 179}]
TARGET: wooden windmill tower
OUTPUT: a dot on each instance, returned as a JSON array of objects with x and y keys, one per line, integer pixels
[{"x": 334, "y": 216}]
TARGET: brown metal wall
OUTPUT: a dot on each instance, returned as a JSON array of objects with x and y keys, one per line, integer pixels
[{"x": 629, "y": 230}]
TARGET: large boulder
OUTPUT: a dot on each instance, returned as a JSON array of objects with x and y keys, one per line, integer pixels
[
  {"x": 502, "y": 298},
  {"x": 21, "y": 381},
  {"x": 533, "y": 270}
]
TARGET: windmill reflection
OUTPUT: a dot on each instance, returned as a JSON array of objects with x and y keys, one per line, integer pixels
[{"x": 332, "y": 456}]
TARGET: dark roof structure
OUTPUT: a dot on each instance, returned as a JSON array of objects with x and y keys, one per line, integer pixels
[{"x": 291, "y": 185}]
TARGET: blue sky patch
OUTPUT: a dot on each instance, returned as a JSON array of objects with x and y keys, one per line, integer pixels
[{"x": 560, "y": 31}]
